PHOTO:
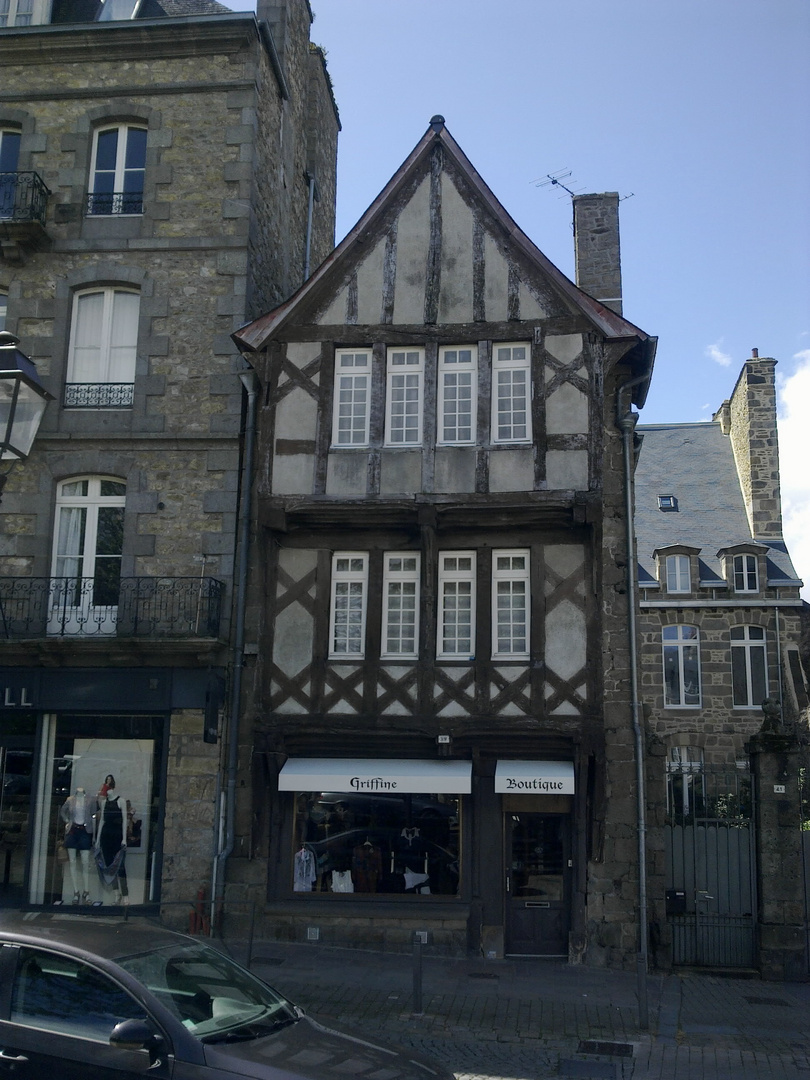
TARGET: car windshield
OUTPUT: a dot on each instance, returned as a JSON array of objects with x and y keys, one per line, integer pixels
[{"x": 213, "y": 997}]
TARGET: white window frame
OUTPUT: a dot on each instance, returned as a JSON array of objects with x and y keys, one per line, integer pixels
[
  {"x": 748, "y": 569},
  {"x": 38, "y": 12},
  {"x": 408, "y": 364},
  {"x": 452, "y": 575},
  {"x": 503, "y": 361},
  {"x": 120, "y": 172},
  {"x": 394, "y": 577},
  {"x": 450, "y": 366},
  {"x": 350, "y": 576},
  {"x": 348, "y": 373},
  {"x": 748, "y": 640},
  {"x": 111, "y": 354},
  {"x": 510, "y": 574},
  {"x": 681, "y": 641},
  {"x": 678, "y": 574}
]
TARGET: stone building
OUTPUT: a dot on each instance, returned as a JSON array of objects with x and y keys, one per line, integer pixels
[
  {"x": 440, "y": 717},
  {"x": 167, "y": 171},
  {"x": 722, "y": 683}
]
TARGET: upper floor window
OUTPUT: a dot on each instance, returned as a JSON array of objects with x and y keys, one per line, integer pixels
[
  {"x": 456, "y": 630},
  {"x": 681, "y": 666},
  {"x": 103, "y": 345},
  {"x": 400, "y": 620},
  {"x": 510, "y": 605},
  {"x": 745, "y": 573},
  {"x": 511, "y": 393},
  {"x": 20, "y": 12},
  {"x": 458, "y": 382},
  {"x": 350, "y": 421},
  {"x": 9, "y": 159},
  {"x": 678, "y": 576},
  {"x": 117, "y": 170},
  {"x": 347, "y": 623},
  {"x": 749, "y": 669},
  {"x": 403, "y": 416}
]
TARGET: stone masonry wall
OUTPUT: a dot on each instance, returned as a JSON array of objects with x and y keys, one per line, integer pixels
[{"x": 756, "y": 446}]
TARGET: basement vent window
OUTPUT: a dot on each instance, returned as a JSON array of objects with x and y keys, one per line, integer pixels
[{"x": 667, "y": 503}]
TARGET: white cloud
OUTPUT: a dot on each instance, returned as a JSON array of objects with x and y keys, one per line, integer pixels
[
  {"x": 714, "y": 352},
  {"x": 794, "y": 456}
]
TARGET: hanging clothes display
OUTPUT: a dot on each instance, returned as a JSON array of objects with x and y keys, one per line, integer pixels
[
  {"x": 111, "y": 844},
  {"x": 304, "y": 870}
]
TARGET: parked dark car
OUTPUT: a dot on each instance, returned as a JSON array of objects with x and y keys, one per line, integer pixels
[{"x": 103, "y": 998}]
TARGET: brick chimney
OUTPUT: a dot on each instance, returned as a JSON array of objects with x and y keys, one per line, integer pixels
[
  {"x": 596, "y": 248},
  {"x": 749, "y": 419}
]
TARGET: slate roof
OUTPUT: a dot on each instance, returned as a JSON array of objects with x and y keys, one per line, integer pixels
[
  {"x": 194, "y": 7},
  {"x": 695, "y": 463}
]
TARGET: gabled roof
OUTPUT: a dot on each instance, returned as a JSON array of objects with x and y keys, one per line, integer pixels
[{"x": 254, "y": 335}]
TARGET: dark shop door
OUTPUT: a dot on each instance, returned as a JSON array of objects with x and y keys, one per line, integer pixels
[
  {"x": 538, "y": 874},
  {"x": 17, "y": 741}
]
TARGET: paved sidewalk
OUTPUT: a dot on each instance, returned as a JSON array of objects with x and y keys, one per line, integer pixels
[{"x": 537, "y": 1019}]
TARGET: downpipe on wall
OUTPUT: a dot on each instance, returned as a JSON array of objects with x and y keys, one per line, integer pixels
[{"x": 626, "y": 421}]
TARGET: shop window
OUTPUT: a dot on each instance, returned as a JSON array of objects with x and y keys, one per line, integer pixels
[
  {"x": 102, "y": 350},
  {"x": 749, "y": 669},
  {"x": 117, "y": 171},
  {"x": 458, "y": 382},
  {"x": 400, "y": 605},
  {"x": 678, "y": 575},
  {"x": 511, "y": 393},
  {"x": 347, "y": 633},
  {"x": 350, "y": 422},
  {"x": 87, "y": 550},
  {"x": 456, "y": 630},
  {"x": 745, "y": 573},
  {"x": 405, "y": 382},
  {"x": 376, "y": 843},
  {"x": 681, "y": 666},
  {"x": 510, "y": 605},
  {"x": 9, "y": 158}
]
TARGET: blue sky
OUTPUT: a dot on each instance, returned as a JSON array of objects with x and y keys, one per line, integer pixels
[{"x": 696, "y": 111}]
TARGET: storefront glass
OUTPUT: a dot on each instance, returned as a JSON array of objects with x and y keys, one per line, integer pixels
[
  {"x": 97, "y": 802},
  {"x": 376, "y": 843},
  {"x": 17, "y": 743}
]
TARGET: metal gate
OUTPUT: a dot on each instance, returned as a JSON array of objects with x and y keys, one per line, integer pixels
[{"x": 710, "y": 855}]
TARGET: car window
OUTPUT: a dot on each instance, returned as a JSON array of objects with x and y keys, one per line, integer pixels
[{"x": 57, "y": 993}]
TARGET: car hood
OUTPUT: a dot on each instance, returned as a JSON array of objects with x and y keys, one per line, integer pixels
[{"x": 316, "y": 1050}]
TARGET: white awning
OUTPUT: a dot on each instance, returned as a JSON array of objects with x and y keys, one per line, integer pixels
[
  {"x": 376, "y": 775},
  {"x": 535, "y": 777}
]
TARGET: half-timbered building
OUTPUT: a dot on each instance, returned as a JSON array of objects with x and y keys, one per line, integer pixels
[{"x": 440, "y": 718}]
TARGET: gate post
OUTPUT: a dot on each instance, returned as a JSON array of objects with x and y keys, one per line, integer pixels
[{"x": 775, "y": 764}]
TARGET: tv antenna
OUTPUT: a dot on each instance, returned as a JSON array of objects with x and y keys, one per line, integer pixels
[{"x": 555, "y": 179}]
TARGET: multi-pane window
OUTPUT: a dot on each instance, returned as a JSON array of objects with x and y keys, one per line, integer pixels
[
  {"x": 400, "y": 619},
  {"x": 456, "y": 630},
  {"x": 117, "y": 171},
  {"x": 16, "y": 12},
  {"x": 510, "y": 604},
  {"x": 348, "y": 615},
  {"x": 9, "y": 157},
  {"x": 511, "y": 393},
  {"x": 350, "y": 422},
  {"x": 681, "y": 666},
  {"x": 678, "y": 577},
  {"x": 403, "y": 415},
  {"x": 458, "y": 377},
  {"x": 745, "y": 573},
  {"x": 103, "y": 345},
  {"x": 749, "y": 671}
]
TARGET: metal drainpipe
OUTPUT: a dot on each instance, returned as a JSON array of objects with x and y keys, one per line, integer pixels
[
  {"x": 626, "y": 422},
  {"x": 311, "y": 179},
  {"x": 251, "y": 384}
]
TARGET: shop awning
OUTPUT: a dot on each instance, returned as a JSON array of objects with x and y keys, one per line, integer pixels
[
  {"x": 535, "y": 777},
  {"x": 376, "y": 775}
]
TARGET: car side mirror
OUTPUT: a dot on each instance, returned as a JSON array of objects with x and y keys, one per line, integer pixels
[{"x": 136, "y": 1035}]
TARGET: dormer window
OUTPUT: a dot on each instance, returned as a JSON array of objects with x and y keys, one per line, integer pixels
[
  {"x": 678, "y": 574},
  {"x": 667, "y": 503},
  {"x": 745, "y": 573}
]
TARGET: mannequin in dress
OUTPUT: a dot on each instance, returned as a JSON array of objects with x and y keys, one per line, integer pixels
[
  {"x": 111, "y": 839},
  {"x": 78, "y": 812}
]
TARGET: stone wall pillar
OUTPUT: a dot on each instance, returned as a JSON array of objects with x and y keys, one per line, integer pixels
[{"x": 775, "y": 761}]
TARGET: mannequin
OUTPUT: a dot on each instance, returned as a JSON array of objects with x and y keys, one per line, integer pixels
[
  {"x": 111, "y": 839},
  {"x": 78, "y": 813}
]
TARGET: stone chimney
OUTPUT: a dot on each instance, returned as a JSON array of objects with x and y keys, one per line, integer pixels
[
  {"x": 749, "y": 419},
  {"x": 596, "y": 248}
]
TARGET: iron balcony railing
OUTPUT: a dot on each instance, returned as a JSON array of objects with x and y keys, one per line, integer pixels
[
  {"x": 111, "y": 203},
  {"x": 23, "y": 197},
  {"x": 98, "y": 395},
  {"x": 137, "y": 607}
]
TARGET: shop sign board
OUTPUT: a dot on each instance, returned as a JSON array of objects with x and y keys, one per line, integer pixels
[
  {"x": 534, "y": 777},
  {"x": 376, "y": 776}
]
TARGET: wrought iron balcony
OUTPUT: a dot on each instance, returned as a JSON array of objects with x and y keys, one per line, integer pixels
[
  {"x": 23, "y": 202},
  {"x": 147, "y": 607},
  {"x": 98, "y": 395},
  {"x": 113, "y": 203}
]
